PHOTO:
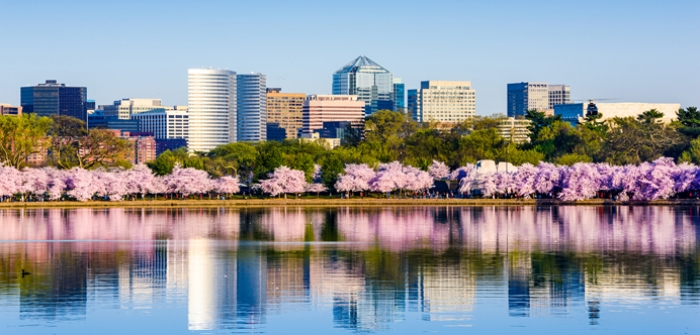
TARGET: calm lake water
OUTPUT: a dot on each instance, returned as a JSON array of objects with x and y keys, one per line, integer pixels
[{"x": 400, "y": 270}]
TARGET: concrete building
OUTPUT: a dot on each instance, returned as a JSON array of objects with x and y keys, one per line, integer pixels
[
  {"x": 328, "y": 143},
  {"x": 212, "y": 108},
  {"x": 252, "y": 107},
  {"x": 369, "y": 81},
  {"x": 574, "y": 113},
  {"x": 7, "y": 109},
  {"x": 442, "y": 101},
  {"x": 318, "y": 109},
  {"x": 284, "y": 110},
  {"x": 54, "y": 98},
  {"x": 163, "y": 124},
  {"x": 514, "y": 130},
  {"x": 126, "y": 108},
  {"x": 143, "y": 146},
  {"x": 559, "y": 95}
]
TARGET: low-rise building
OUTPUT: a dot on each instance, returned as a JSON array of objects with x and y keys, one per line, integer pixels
[
  {"x": 328, "y": 143},
  {"x": 574, "y": 113},
  {"x": 515, "y": 129},
  {"x": 143, "y": 146},
  {"x": 7, "y": 109}
]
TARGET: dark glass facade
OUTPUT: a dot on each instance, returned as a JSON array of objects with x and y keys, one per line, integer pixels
[
  {"x": 399, "y": 96},
  {"x": 53, "y": 98}
]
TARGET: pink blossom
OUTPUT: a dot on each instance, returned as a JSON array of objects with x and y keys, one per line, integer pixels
[
  {"x": 438, "y": 170},
  {"x": 284, "y": 180},
  {"x": 355, "y": 179},
  {"x": 227, "y": 185}
]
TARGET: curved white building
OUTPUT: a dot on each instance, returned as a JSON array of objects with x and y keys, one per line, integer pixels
[{"x": 211, "y": 96}]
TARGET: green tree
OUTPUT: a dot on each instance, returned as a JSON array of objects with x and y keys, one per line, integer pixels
[
  {"x": 166, "y": 161},
  {"x": 633, "y": 141},
  {"x": 331, "y": 167},
  {"x": 21, "y": 136},
  {"x": 692, "y": 155},
  {"x": 538, "y": 122}
]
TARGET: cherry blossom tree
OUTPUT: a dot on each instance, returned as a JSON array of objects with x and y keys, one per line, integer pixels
[
  {"x": 524, "y": 179},
  {"x": 284, "y": 180},
  {"x": 439, "y": 171},
  {"x": 355, "y": 179},
  {"x": 389, "y": 177},
  {"x": 316, "y": 188},
  {"x": 80, "y": 184},
  {"x": 548, "y": 178},
  {"x": 462, "y": 172},
  {"x": 188, "y": 181},
  {"x": 417, "y": 179},
  {"x": 10, "y": 181},
  {"x": 227, "y": 185},
  {"x": 580, "y": 181}
]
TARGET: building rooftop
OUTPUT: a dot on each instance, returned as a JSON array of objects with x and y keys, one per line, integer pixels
[{"x": 362, "y": 61}]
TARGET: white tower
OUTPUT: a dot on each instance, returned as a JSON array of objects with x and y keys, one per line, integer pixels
[{"x": 211, "y": 96}]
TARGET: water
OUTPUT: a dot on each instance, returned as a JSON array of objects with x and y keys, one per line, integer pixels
[{"x": 399, "y": 270}]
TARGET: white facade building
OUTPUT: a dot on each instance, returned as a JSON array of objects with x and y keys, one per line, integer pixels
[
  {"x": 514, "y": 130},
  {"x": 125, "y": 108},
  {"x": 574, "y": 113},
  {"x": 164, "y": 124},
  {"x": 559, "y": 95},
  {"x": 442, "y": 101},
  {"x": 212, "y": 108},
  {"x": 252, "y": 107}
]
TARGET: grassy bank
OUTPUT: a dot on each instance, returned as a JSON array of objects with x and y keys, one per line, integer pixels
[{"x": 357, "y": 202}]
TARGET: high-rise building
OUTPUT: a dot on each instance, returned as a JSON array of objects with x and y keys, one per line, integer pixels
[
  {"x": 126, "y": 108},
  {"x": 515, "y": 130},
  {"x": 252, "y": 107},
  {"x": 442, "y": 101},
  {"x": 54, "y": 98},
  {"x": 399, "y": 94},
  {"x": 559, "y": 95},
  {"x": 212, "y": 108},
  {"x": 285, "y": 110},
  {"x": 526, "y": 96},
  {"x": 318, "y": 109},
  {"x": 369, "y": 81}
]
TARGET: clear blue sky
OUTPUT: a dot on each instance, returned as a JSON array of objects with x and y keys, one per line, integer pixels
[{"x": 644, "y": 51}]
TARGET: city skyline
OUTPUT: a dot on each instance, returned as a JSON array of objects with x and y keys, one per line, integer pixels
[{"x": 606, "y": 55}]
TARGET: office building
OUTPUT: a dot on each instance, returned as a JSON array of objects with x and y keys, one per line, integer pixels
[
  {"x": 170, "y": 124},
  {"x": 536, "y": 96},
  {"x": 125, "y": 108},
  {"x": 369, "y": 81},
  {"x": 7, "y": 109},
  {"x": 54, "y": 98},
  {"x": 574, "y": 113},
  {"x": 163, "y": 145},
  {"x": 212, "y": 107},
  {"x": 252, "y": 107},
  {"x": 399, "y": 95},
  {"x": 514, "y": 129},
  {"x": 559, "y": 95},
  {"x": 442, "y": 101},
  {"x": 527, "y": 96},
  {"x": 318, "y": 109},
  {"x": 284, "y": 110},
  {"x": 335, "y": 129}
]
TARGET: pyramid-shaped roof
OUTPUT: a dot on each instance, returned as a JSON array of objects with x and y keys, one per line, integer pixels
[{"x": 359, "y": 62}]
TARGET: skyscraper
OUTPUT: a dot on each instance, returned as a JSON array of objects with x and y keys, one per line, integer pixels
[
  {"x": 211, "y": 96},
  {"x": 54, "y": 98},
  {"x": 442, "y": 101},
  {"x": 252, "y": 107},
  {"x": 369, "y": 81}
]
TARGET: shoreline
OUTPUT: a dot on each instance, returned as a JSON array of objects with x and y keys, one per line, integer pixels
[{"x": 252, "y": 203}]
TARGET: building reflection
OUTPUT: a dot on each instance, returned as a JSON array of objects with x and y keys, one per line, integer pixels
[{"x": 370, "y": 268}]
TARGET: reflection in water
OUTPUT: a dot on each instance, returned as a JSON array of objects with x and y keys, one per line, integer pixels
[{"x": 233, "y": 268}]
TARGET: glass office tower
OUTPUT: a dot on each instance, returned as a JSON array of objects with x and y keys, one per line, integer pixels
[
  {"x": 54, "y": 98},
  {"x": 252, "y": 107},
  {"x": 369, "y": 81}
]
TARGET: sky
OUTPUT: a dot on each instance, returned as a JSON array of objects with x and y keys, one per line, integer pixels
[{"x": 628, "y": 51}]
